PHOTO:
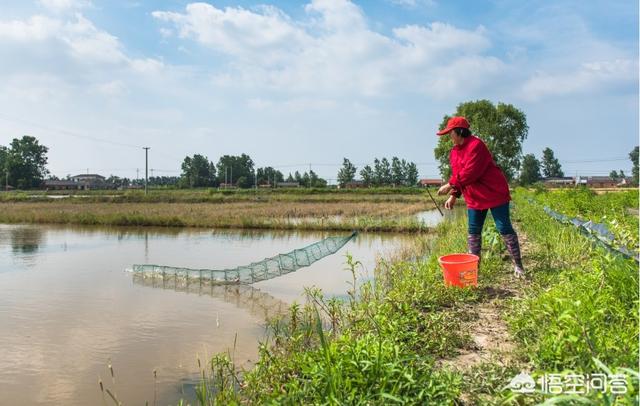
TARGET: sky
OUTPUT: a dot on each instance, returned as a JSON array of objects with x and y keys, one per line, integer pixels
[{"x": 299, "y": 85}]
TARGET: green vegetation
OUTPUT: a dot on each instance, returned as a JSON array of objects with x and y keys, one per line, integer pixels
[
  {"x": 610, "y": 209},
  {"x": 396, "y": 341},
  {"x": 550, "y": 166},
  {"x": 264, "y": 210},
  {"x": 23, "y": 163},
  {"x": 502, "y": 127}
]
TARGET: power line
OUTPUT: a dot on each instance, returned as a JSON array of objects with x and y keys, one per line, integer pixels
[{"x": 66, "y": 132}]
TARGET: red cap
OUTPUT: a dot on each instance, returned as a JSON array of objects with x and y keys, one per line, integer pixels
[{"x": 454, "y": 122}]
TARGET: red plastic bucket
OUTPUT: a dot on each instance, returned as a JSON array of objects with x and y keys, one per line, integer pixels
[{"x": 460, "y": 269}]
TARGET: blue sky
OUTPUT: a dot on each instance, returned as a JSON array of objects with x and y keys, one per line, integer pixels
[{"x": 297, "y": 83}]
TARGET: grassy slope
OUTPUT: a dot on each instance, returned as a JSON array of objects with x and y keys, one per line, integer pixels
[{"x": 579, "y": 308}]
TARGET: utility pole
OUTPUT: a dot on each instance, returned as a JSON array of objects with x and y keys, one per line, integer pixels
[{"x": 146, "y": 168}]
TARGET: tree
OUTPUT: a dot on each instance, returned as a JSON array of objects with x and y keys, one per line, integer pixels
[
  {"x": 198, "y": 172},
  {"x": 346, "y": 173},
  {"x": 269, "y": 176},
  {"x": 291, "y": 179},
  {"x": 633, "y": 155},
  {"x": 237, "y": 170},
  {"x": 4, "y": 164},
  {"x": 411, "y": 172},
  {"x": 367, "y": 175},
  {"x": 315, "y": 180},
  {"x": 377, "y": 172},
  {"x": 385, "y": 172},
  {"x": 25, "y": 162},
  {"x": 530, "y": 170},
  {"x": 397, "y": 172},
  {"x": 614, "y": 175},
  {"x": 502, "y": 127},
  {"x": 550, "y": 166}
]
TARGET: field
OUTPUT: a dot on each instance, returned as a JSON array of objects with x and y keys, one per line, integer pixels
[
  {"x": 376, "y": 210},
  {"x": 407, "y": 339}
]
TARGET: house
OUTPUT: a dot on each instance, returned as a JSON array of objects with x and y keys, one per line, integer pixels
[
  {"x": 64, "y": 185},
  {"x": 431, "y": 182},
  {"x": 354, "y": 184},
  {"x": 565, "y": 181},
  {"x": 287, "y": 184},
  {"x": 91, "y": 178},
  {"x": 625, "y": 182},
  {"x": 596, "y": 181},
  {"x": 227, "y": 186}
]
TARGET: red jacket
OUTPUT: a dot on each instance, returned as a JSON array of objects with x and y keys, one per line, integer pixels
[{"x": 476, "y": 175}]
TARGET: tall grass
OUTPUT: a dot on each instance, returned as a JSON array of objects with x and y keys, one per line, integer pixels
[
  {"x": 578, "y": 313},
  {"x": 368, "y": 216}
]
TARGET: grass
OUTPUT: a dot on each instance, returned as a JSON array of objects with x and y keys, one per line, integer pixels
[
  {"x": 366, "y": 214},
  {"x": 578, "y": 313}
]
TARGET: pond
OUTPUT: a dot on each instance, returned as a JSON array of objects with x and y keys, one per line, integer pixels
[{"x": 69, "y": 309}]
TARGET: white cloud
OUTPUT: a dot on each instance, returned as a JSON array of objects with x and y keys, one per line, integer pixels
[
  {"x": 89, "y": 44},
  {"x": 332, "y": 51},
  {"x": 590, "y": 77},
  {"x": 63, "y": 5},
  {"x": 36, "y": 28},
  {"x": 410, "y": 4},
  {"x": 113, "y": 88}
]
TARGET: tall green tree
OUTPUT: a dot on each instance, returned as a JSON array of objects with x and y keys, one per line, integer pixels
[
  {"x": 397, "y": 172},
  {"x": 530, "y": 172},
  {"x": 633, "y": 155},
  {"x": 378, "y": 176},
  {"x": 367, "y": 175},
  {"x": 550, "y": 166},
  {"x": 238, "y": 170},
  {"x": 269, "y": 175},
  {"x": 4, "y": 165},
  {"x": 198, "y": 171},
  {"x": 347, "y": 172},
  {"x": 614, "y": 175},
  {"x": 385, "y": 172},
  {"x": 502, "y": 127},
  {"x": 25, "y": 162},
  {"x": 316, "y": 181},
  {"x": 411, "y": 174}
]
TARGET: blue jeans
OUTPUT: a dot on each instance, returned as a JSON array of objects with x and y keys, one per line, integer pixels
[{"x": 500, "y": 217}]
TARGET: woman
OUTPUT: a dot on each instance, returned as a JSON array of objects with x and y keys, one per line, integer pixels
[{"x": 477, "y": 177}]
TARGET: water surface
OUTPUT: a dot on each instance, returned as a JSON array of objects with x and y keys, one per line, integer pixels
[{"x": 68, "y": 308}]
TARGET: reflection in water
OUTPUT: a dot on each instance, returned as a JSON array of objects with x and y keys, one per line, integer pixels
[
  {"x": 24, "y": 243},
  {"x": 72, "y": 309},
  {"x": 246, "y": 297},
  {"x": 26, "y": 240}
]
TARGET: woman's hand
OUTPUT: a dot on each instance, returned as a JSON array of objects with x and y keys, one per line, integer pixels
[
  {"x": 451, "y": 201},
  {"x": 445, "y": 189}
]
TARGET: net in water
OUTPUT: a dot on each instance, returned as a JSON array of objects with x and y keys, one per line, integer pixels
[{"x": 268, "y": 268}]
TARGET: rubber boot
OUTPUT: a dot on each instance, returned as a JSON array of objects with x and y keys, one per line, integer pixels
[
  {"x": 513, "y": 246},
  {"x": 474, "y": 242}
]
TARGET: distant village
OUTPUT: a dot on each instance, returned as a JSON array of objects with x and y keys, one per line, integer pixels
[{"x": 99, "y": 182}]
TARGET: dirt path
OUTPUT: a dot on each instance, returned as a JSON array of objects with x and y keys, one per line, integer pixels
[{"x": 491, "y": 341}]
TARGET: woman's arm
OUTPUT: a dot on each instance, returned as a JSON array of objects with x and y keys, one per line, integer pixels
[{"x": 476, "y": 163}]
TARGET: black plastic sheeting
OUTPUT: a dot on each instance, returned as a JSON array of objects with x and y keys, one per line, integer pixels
[{"x": 595, "y": 231}]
